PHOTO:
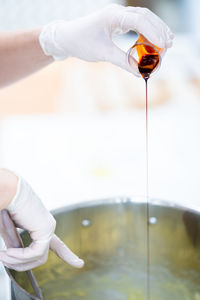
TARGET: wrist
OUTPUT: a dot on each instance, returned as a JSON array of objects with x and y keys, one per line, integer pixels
[
  {"x": 28, "y": 211},
  {"x": 8, "y": 187},
  {"x": 49, "y": 42}
]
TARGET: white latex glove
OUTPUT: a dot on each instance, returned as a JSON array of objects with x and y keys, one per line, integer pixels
[
  {"x": 28, "y": 212},
  {"x": 90, "y": 38}
]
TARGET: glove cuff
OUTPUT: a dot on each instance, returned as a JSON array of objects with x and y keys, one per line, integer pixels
[
  {"x": 24, "y": 192},
  {"x": 12, "y": 205},
  {"x": 48, "y": 41}
]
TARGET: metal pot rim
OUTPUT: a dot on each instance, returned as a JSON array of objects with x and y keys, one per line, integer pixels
[{"x": 126, "y": 199}]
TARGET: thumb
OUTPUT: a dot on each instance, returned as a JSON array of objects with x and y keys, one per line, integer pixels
[
  {"x": 120, "y": 58},
  {"x": 62, "y": 251}
]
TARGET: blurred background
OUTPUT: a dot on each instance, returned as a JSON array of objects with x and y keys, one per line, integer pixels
[{"x": 76, "y": 130}]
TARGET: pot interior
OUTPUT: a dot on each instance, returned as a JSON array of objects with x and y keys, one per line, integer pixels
[{"x": 111, "y": 237}]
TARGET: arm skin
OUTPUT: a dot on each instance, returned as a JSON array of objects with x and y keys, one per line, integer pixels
[
  {"x": 20, "y": 55},
  {"x": 8, "y": 187}
]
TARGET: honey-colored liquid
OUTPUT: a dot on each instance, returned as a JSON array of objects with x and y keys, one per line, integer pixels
[
  {"x": 148, "y": 60},
  {"x": 147, "y": 64},
  {"x": 148, "y": 57}
]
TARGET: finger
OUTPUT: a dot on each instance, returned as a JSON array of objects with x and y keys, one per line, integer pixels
[
  {"x": 34, "y": 251},
  {"x": 172, "y": 36},
  {"x": 7, "y": 259},
  {"x": 120, "y": 58},
  {"x": 155, "y": 19},
  {"x": 143, "y": 25},
  {"x": 23, "y": 267},
  {"x": 155, "y": 32},
  {"x": 61, "y": 250},
  {"x": 7, "y": 265},
  {"x": 169, "y": 44}
]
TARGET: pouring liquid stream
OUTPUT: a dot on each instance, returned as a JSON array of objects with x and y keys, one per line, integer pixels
[{"x": 148, "y": 61}]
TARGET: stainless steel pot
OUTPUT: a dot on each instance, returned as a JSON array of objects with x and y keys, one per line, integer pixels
[{"x": 110, "y": 235}]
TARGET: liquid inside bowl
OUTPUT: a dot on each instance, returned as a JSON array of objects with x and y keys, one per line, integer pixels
[{"x": 111, "y": 238}]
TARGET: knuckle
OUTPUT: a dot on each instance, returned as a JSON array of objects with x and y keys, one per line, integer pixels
[
  {"x": 145, "y": 11},
  {"x": 111, "y": 7},
  {"x": 19, "y": 269},
  {"x": 141, "y": 18},
  {"x": 53, "y": 224},
  {"x": 40, "y": 254},
  {"x": 42, "y": 260},
  {"x": 50, "y": 224}
]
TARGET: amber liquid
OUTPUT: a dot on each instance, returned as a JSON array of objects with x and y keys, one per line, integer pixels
[
  {"x": 147, "y": 64},
  {"x": 148, "y": 61}
]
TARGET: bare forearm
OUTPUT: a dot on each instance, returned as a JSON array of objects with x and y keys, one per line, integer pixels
[{"x": 20, "y": 55}]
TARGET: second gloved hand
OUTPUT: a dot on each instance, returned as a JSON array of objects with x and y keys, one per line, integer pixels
[
  {"x": 29, "y": 213},
  {"x": 90, "y": 38}
]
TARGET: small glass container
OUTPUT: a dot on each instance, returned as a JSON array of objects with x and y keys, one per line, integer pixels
[{"x": 144, "y": 58}]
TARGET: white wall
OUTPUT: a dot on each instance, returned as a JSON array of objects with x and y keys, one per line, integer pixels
[{"x": 26, "y": 14}]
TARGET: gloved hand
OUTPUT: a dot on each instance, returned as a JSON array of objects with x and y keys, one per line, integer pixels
[
  {"x": 28, "y": 212},
  {"x": 90, "y": 38}
]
